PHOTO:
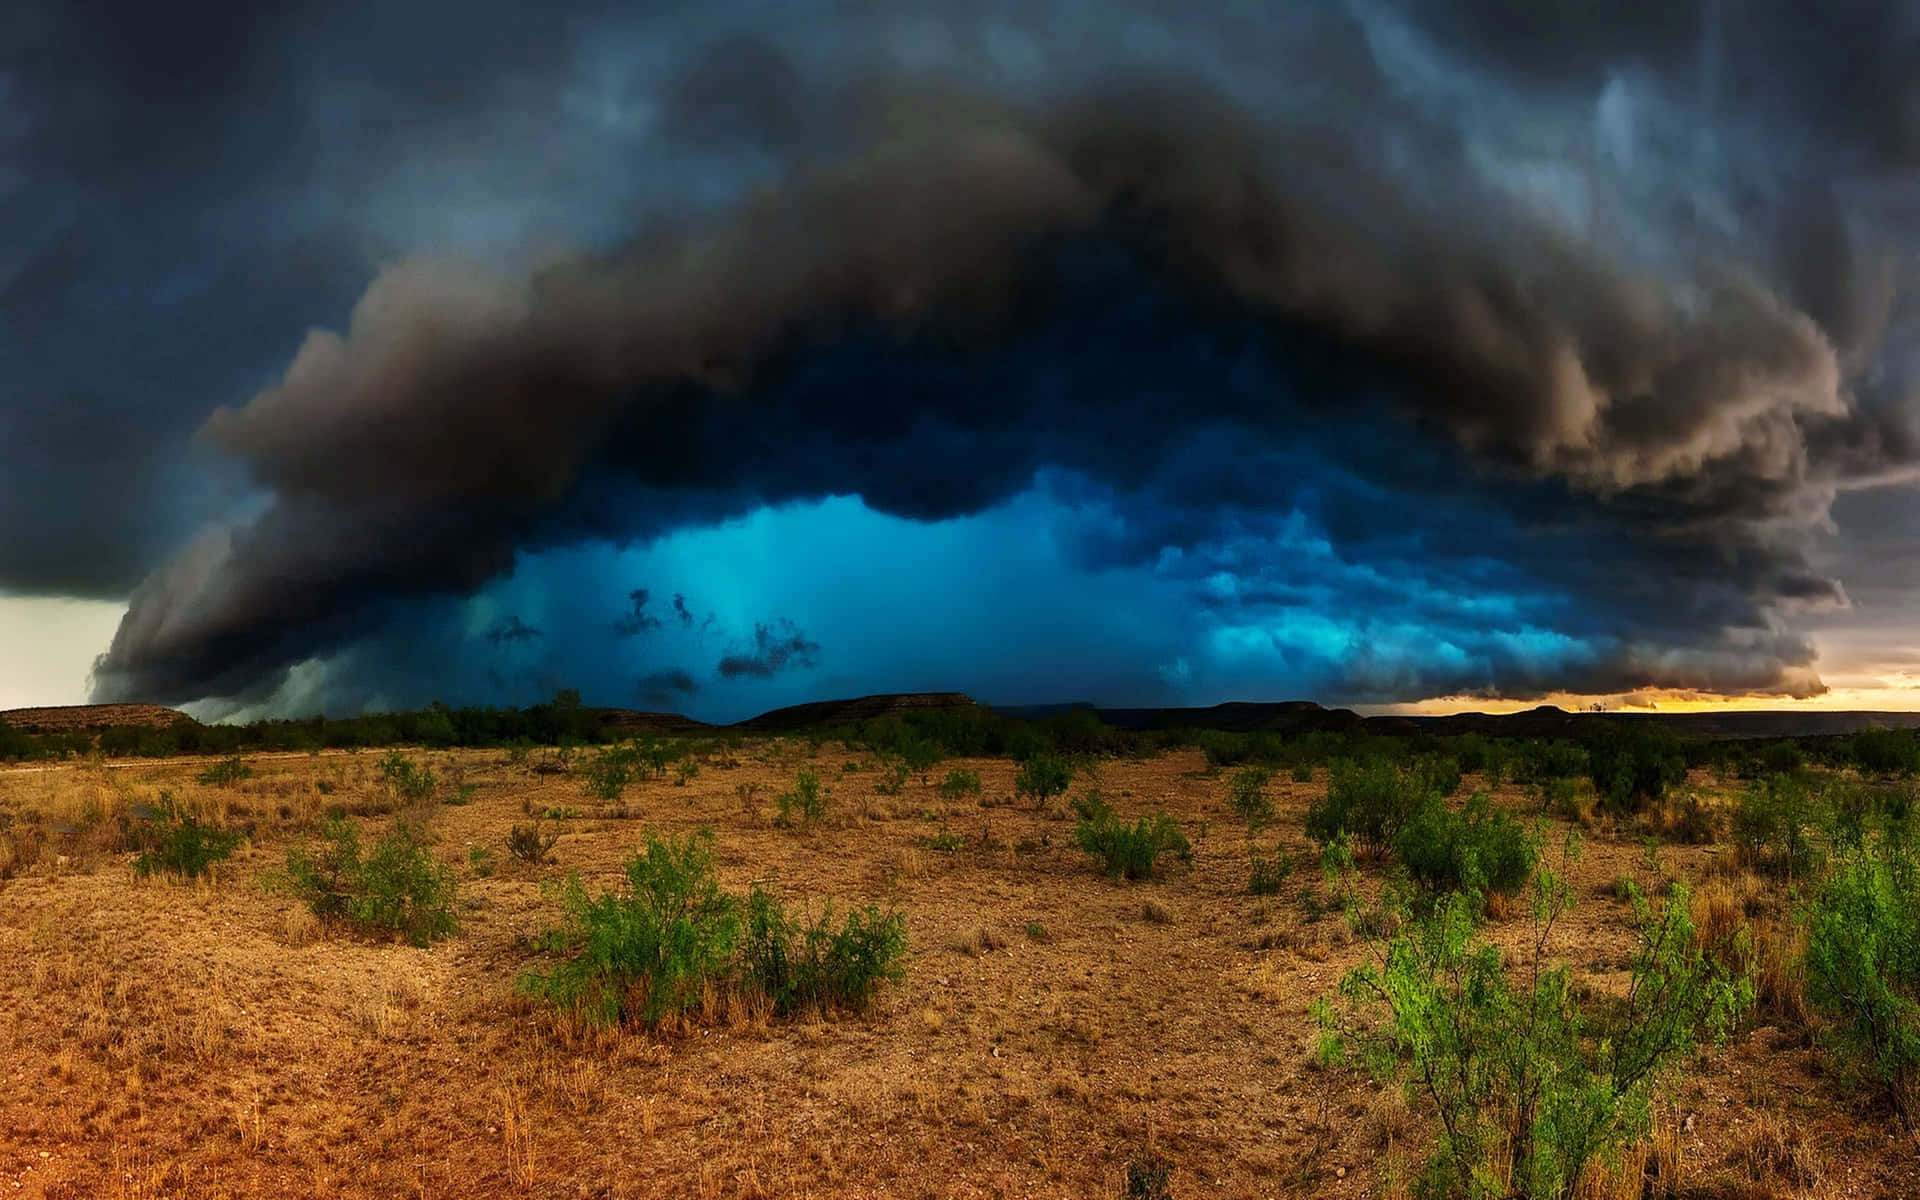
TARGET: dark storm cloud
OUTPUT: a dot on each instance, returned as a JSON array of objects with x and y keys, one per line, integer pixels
[
  {"x": 673, "y": 682},
  {"x": 777, "y": 646},
  {"x": 636, "y": 620},
  {"x": 1632, "y": 309},
  {"x": 511, "y": 631}
]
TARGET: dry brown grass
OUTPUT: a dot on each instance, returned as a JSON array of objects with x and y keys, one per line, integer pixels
[{"x": 214, "y": 1040}]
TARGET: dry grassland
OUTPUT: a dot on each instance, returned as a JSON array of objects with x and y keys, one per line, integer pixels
[{"x": 213, "y": 1040}]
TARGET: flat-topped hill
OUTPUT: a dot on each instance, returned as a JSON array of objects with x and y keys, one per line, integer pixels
[{"x": 72, "y": 718}]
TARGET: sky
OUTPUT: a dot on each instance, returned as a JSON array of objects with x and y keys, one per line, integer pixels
[{"x": 714, "y": 357}]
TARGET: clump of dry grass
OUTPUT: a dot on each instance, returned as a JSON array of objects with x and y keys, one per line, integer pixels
[
  {"x": 975, "y": 941},
  {"x": 1155, "y": 913}
]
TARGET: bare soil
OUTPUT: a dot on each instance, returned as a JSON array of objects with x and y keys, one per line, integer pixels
[{"x": 210, "y": 1040}]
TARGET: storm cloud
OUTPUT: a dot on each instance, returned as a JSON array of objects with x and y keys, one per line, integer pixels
[{"x": 1547, "y": 342}]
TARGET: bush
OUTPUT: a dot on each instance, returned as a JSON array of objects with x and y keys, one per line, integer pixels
[
  {"x": 1129, "y": 851},
  {"x": 1436, "y": 775},
  {"x": 795, "y": 966},
  {"x": 960, "y": 783},
  {"x": 1269, "y": 872},
  {"x": 1247, "y": 795},
  {"x": 1863, "y": 965},
  {"x": 1367, "y": 801},
  {"x": 893, "y": 778},
  {"x": 1770, "y": 826},
  {"x": 528, "y": 844},
  {"x": 920, "y": 757},
  {"x": 1042, "y": 777},
  {"x": 186, "y": 848},
  {"x": 409, "y": 781},
  {"x": 1530, "y": 1081},
  {"x": 1479, "y": 849},
  {"x": 607, "y": 776},
  {"x": 805, "y": 797},
  {"x": 685, "y": 771},
  {"x": 676, "y": 942},
  {"x": 400, "y": 886},
  {"x": 1303, "y": 772},
  {"x": 226, "y": 772},
  {"x": 1886, "y": 751},
  {"x": 1631, "y": 766}
]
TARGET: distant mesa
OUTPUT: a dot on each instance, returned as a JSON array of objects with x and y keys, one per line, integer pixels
[
  {"x": 626, "y": 722},
  {"x": 846, "y": 712},
  {"x": 90, "y": 718}
]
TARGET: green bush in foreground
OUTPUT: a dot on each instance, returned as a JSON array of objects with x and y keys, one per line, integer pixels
[
  {"x": 186, "y": 848},
  {"x": 1863, "y": 965},
  {"x": 1477, "y": 849},
  {"x": 675, "y": 942},
  {"x": 1128, "y": 851},
  {"x": 1529, "y": 1081},
  {"x": 399, "y": 886}
]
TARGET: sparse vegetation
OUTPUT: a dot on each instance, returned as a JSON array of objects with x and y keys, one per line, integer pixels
[
  {"x": 806, "y": 800},
  {"x": 1130, "y": 851},
  {"x": 398, "y": 887},
  {"x": 226, "y": 772},
  {"x": 1042, "y": 777},
  {"x": 960, "y": 783},
  {"x": 675, "y": 943},
  {"x": 530, "y": 844},
  {"x": 1247, "y": 796},
  {"x": 1863, "y": 964},
  {"x": 410, "y": 781},
  {"x": 1529, "y": 1082},
  {"x": 184, "y": 847}
]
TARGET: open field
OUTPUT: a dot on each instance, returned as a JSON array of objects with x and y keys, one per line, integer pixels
[{"x": 212, "y": 1039}]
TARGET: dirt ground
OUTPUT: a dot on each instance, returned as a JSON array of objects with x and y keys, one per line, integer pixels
[{"x": 211, "y": 1040}]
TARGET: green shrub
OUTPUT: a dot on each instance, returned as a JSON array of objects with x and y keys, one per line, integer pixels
[
  {"x": 1886, "y": 751},
  {"x": 960, "y": 783},
  {"x": 1436, "y": 775},
  {"x": 805, "y": 797},
  {"x": 798, "y": 966},
  {"x": 1042, "y": 777},
  {"x": 653, "y": 952},
  {"x": 226, "y": 772},
  {"x": 399, "y": 887},
  {"x": 408, "y": 780},
  {"x": 685, "y": 771},
  {"x": 1529, "y": 1079},
  {"x": 1479, "y": 849},
  {"x": 1247, "y": 795},
  {"x": 1130, "y": 851},
  {"x": 675, "y": 941},
  {"x": 1632, "y": 765},
  {"x": 615, "y": 767},
  {"x": 1863, "y": 965},
  {"x": 1368, "y": 801},
  {"x": 186, "y": 848},
  {"x": 1303, "y": 772},
  {"x": 893, "y": 778},
  {"x": 1149, "y": 1177},
  {"x": 920, "y": 757},
  {"x": 528, "y": 844},
  {"x": 1269, "y": 872},
  {"x": 1770, "y": 826}
]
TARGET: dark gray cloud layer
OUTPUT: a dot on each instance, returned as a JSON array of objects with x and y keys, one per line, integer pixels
[{"x": 1646, "y": 308}]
